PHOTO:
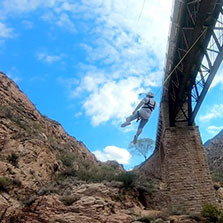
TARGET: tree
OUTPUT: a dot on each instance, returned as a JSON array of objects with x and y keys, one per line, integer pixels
[{"x": 142, "y": 147}]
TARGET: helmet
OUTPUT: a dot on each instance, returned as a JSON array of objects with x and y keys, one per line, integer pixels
[{"x": 150, "y": 94}]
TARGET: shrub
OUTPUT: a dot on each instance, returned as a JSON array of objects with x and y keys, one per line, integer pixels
[
  {"x": 217, "y": 177},
  {"x": 48, "y": 190},
  {"x": 5, "y": 183},
  {"x": 68, "y": 172},
  {"x": 5, "y": 112},
  {"x": 37, "y": 126},
  {"x": 67, "y": 158},
  {"x": 220, "y": 218},
  {"x": 195, "y": 217},
  {"x": 177, "y": 210},
  {"x": 20, "y": 123},
  {"x": 90, "y": 173},
  {"x": 54, "y": 143},
  {"x": 30, "y": 201},
  {"x": 13, "y": 159},
  {"x": 93, "y": 173},
  {"x": 16, "y": 182},
  {"x": 211, "y": 212},
  {"x": 69, "y": 200},
  {"x": 103, "y": 173},
  {"x": 145, "y": 219},
  {"x": 144, "y": 186},
  {"x": 120, "y": 196},
  {"x": 97, "y": 173},
  {"x": 128, "y": 179},
  {"x": 60, "y": 221},
  {"x": 11, "y": 112}
]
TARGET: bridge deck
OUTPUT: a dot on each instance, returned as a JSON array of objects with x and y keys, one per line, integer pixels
[{"x": 196, "y": 32}]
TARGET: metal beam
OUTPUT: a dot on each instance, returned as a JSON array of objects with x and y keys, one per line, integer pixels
[
  {"x": 199, "y": 24},
  {"x": 210, "y": 78}
]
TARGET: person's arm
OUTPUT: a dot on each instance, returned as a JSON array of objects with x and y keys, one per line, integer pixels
[{"x": 138, "y": 106}]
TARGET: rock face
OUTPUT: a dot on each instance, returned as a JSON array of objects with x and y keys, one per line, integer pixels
[
  {"x": 48, "y": 176},
  {"x": 29, "y": 142},
  {"x": 214, "y": 151},
  {"x": 96, "y": 203},
  {"x": 44, "y": 171},
  {"x": 33, "y": 148}
]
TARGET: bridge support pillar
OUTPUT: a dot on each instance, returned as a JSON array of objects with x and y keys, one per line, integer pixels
[{"x": 184, "y": 169}]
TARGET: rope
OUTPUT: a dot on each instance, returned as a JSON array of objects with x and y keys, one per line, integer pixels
[
  {"x": 141, "y": 11},
  {"x": 192, "y": 46}
]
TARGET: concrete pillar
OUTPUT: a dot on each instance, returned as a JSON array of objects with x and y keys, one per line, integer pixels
[{"x": 184, "y": 169}]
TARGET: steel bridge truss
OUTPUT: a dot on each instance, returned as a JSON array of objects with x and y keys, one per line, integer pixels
[{"x": 197, "y": 57}]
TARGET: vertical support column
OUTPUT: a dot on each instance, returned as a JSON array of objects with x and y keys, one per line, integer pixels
[{"x": 185, "y": 169}]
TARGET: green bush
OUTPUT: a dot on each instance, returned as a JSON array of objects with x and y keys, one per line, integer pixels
[
  {"x": 61, "y": 221},
  {"x": 5, "y": 112},
  {"x": 145, "y": 219},
  {"x": 195, "y": 217},
  {"x": 68, "y": 172},
  {"x": 103, "y": 173},
  {"x": 66, "y": 157},
  {"x": 217, "y": 177},
  {"x": 220, "y": 218},
  {"x": 128, "y": 179},
  {"x": 54, "y": 143},
  {"x": 12, "y": 112},
  {"x": 13, "y": 159},
  {"x": 177, "y": 210},
  {"x": 28, "y": 202},
  {"x": 16, "y": 182},
  {"x": 69, "y": 199},
  {"x": 90, "y": 173},
  {"x": 5, "y": 183},
  {"x": 95, "y": 174},
  {"x": 50, "y": 189},
  {"x": 211, "y": 212}
]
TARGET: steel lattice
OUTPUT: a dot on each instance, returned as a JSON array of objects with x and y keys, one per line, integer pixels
[{"x": 198, "y": 47}]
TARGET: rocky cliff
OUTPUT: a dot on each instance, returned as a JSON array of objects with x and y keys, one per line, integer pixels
[
  {"x": 214, "y": 151},
  {"x": 33, "y": 147},
  {"x": 48, "y": 176}
]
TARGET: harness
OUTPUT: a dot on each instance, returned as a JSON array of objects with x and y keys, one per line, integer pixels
[{"x": 150, "y": 105}]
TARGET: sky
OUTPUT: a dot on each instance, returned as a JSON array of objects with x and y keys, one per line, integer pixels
[{"x": 84, "y": 63}]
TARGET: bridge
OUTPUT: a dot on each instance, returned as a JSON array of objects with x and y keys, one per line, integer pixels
[{"x": 194, "y": 54}]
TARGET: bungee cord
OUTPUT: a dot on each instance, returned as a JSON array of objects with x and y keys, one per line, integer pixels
[{"x": 192, "y": 46}]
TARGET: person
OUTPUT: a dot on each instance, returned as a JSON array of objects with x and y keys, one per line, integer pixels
[{"x": 142, "y": 112}]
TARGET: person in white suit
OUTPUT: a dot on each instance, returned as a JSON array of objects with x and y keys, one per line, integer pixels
[{"x": 142, "y": 112}]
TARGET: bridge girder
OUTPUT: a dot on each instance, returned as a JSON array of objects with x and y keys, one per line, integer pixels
[{"x": 197, "y": 51}]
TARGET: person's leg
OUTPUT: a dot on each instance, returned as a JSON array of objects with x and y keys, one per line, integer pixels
[
  {"x": 140, "y": 128},
  {"x": 129, "y": 119}
]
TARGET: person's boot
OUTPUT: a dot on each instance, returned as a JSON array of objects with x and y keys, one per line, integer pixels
[{"x": 135, "y": 139}]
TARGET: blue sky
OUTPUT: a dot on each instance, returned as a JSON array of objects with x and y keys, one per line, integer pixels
[{"x": 83, "y": 63}]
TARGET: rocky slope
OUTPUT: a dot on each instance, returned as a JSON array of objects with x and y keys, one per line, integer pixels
[
  {"x": 48, "y": 176},
  {"x": 214, "y": 151},
  {"x": 30, "y": 141}
]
